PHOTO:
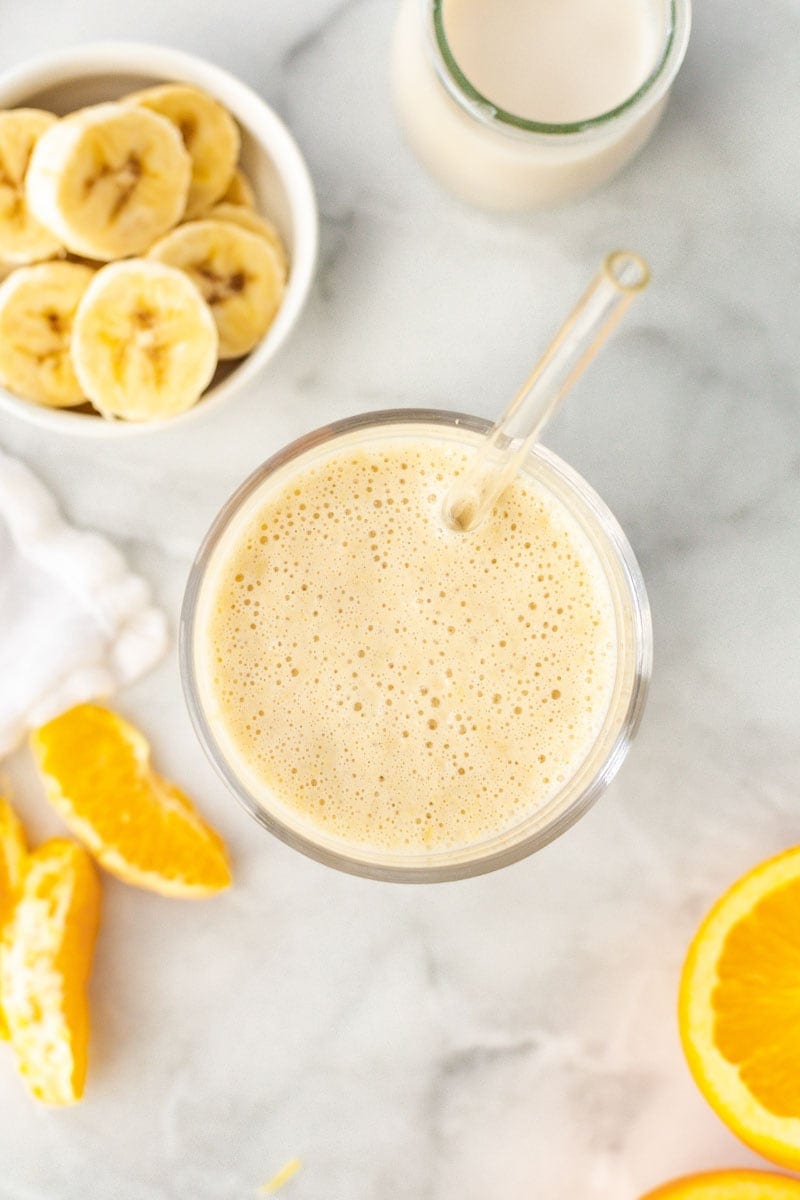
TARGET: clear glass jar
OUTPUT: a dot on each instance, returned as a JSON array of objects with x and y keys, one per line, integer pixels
[
  {"x": 497, "y": 160},
  {"x": 633, "y": 632}
]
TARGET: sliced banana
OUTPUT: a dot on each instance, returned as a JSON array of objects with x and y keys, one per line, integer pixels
[
  {"x": 209, "y": 133},
  {"x": 37, "y": 313},
  {"x": 144, "y": 342},
  {"x": 239, "y": 191},
  {"x": 238, "y": 273},
  {"x": 23, "y": 239},
  {"x": 245, "y": 218},
  {"x": 109, "y": 180}
]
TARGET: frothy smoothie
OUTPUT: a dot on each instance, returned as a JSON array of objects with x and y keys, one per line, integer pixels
[{"x": 394, "y": 683}]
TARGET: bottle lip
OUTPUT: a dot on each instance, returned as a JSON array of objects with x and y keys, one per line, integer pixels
[{"x": 677, "y": 28}]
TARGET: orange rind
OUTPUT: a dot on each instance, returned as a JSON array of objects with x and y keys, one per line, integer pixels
[
  {"x": 47, "y": 948},
  {"x": 729, "y": 1185},
  {"x": 13, "y": 848},
  {"x": 739, "y": 1008}
]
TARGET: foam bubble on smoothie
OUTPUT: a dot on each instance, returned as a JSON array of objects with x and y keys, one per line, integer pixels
[{"x": 400, "y": 685}]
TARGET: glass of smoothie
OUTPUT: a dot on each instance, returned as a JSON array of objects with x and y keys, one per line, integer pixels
[
  {"x": 519, "y": 104},
  {"x": 396, "y": 697}
]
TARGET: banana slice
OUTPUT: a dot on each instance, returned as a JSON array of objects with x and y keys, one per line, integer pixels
[
  {"x": 109, "y": 180},
  {"x": 209, "y": 133},
  {"x": 239, "y": 191},
  {"x": 245, "y": 218},
  {"x": 37, "y": 312},
  {"x": 238, "y": 273},
  {"x": 22, "y": 238},
  {"x": 144, "y": 342}
]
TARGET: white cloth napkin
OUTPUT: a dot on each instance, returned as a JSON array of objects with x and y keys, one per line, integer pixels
[{"x": 75, "y": 624}]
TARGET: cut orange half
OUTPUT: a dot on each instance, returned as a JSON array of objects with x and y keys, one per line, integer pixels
[
  {"x": 739, "y": 1008},
  {"x": 729, "y": 1185},
  {"x": 13, "y": 849},
  {"x": 96, "y": 769},
  {"x": 46, "y": 957}
]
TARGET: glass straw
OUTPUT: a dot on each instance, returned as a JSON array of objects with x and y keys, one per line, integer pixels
[{"x": 473, "y": 494}]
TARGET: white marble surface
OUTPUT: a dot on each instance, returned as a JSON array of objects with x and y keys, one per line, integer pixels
[{"x": 514, "y": 1036}]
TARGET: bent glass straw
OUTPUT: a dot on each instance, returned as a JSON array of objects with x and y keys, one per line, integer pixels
[{"x": 498, "y": 459}]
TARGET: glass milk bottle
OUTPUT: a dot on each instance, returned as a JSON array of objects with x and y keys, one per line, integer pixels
[{"x": 521, "y": 104}]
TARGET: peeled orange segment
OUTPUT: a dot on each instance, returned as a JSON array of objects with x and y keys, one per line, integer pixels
[
  {"x": 47, "y": 954},
  {"x": 13, "y": 849},
  {"x": 729, "y": 1185},
  {"x": 739, "y": 1008},
  {"x": 140, "y": 827}
]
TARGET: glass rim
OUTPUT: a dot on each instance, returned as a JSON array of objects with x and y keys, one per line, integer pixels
[
  {"x": 469, "y": 98},
  {"x": 447, "y": 865}
]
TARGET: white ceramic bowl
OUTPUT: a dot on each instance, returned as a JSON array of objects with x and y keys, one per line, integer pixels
[{"x": 82, "y": 75}]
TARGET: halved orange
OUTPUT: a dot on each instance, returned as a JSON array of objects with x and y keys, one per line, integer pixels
[
  {"x": 46, "y": 958},
  {"x": 729, "y": 1185},
  {"x": 739, "y": 1008},
  {"x": 140, "y": 827},
  {"x": 13, "y": 848}
]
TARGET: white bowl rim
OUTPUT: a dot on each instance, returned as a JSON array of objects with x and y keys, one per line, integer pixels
[{"x": 272, "y": 135}]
